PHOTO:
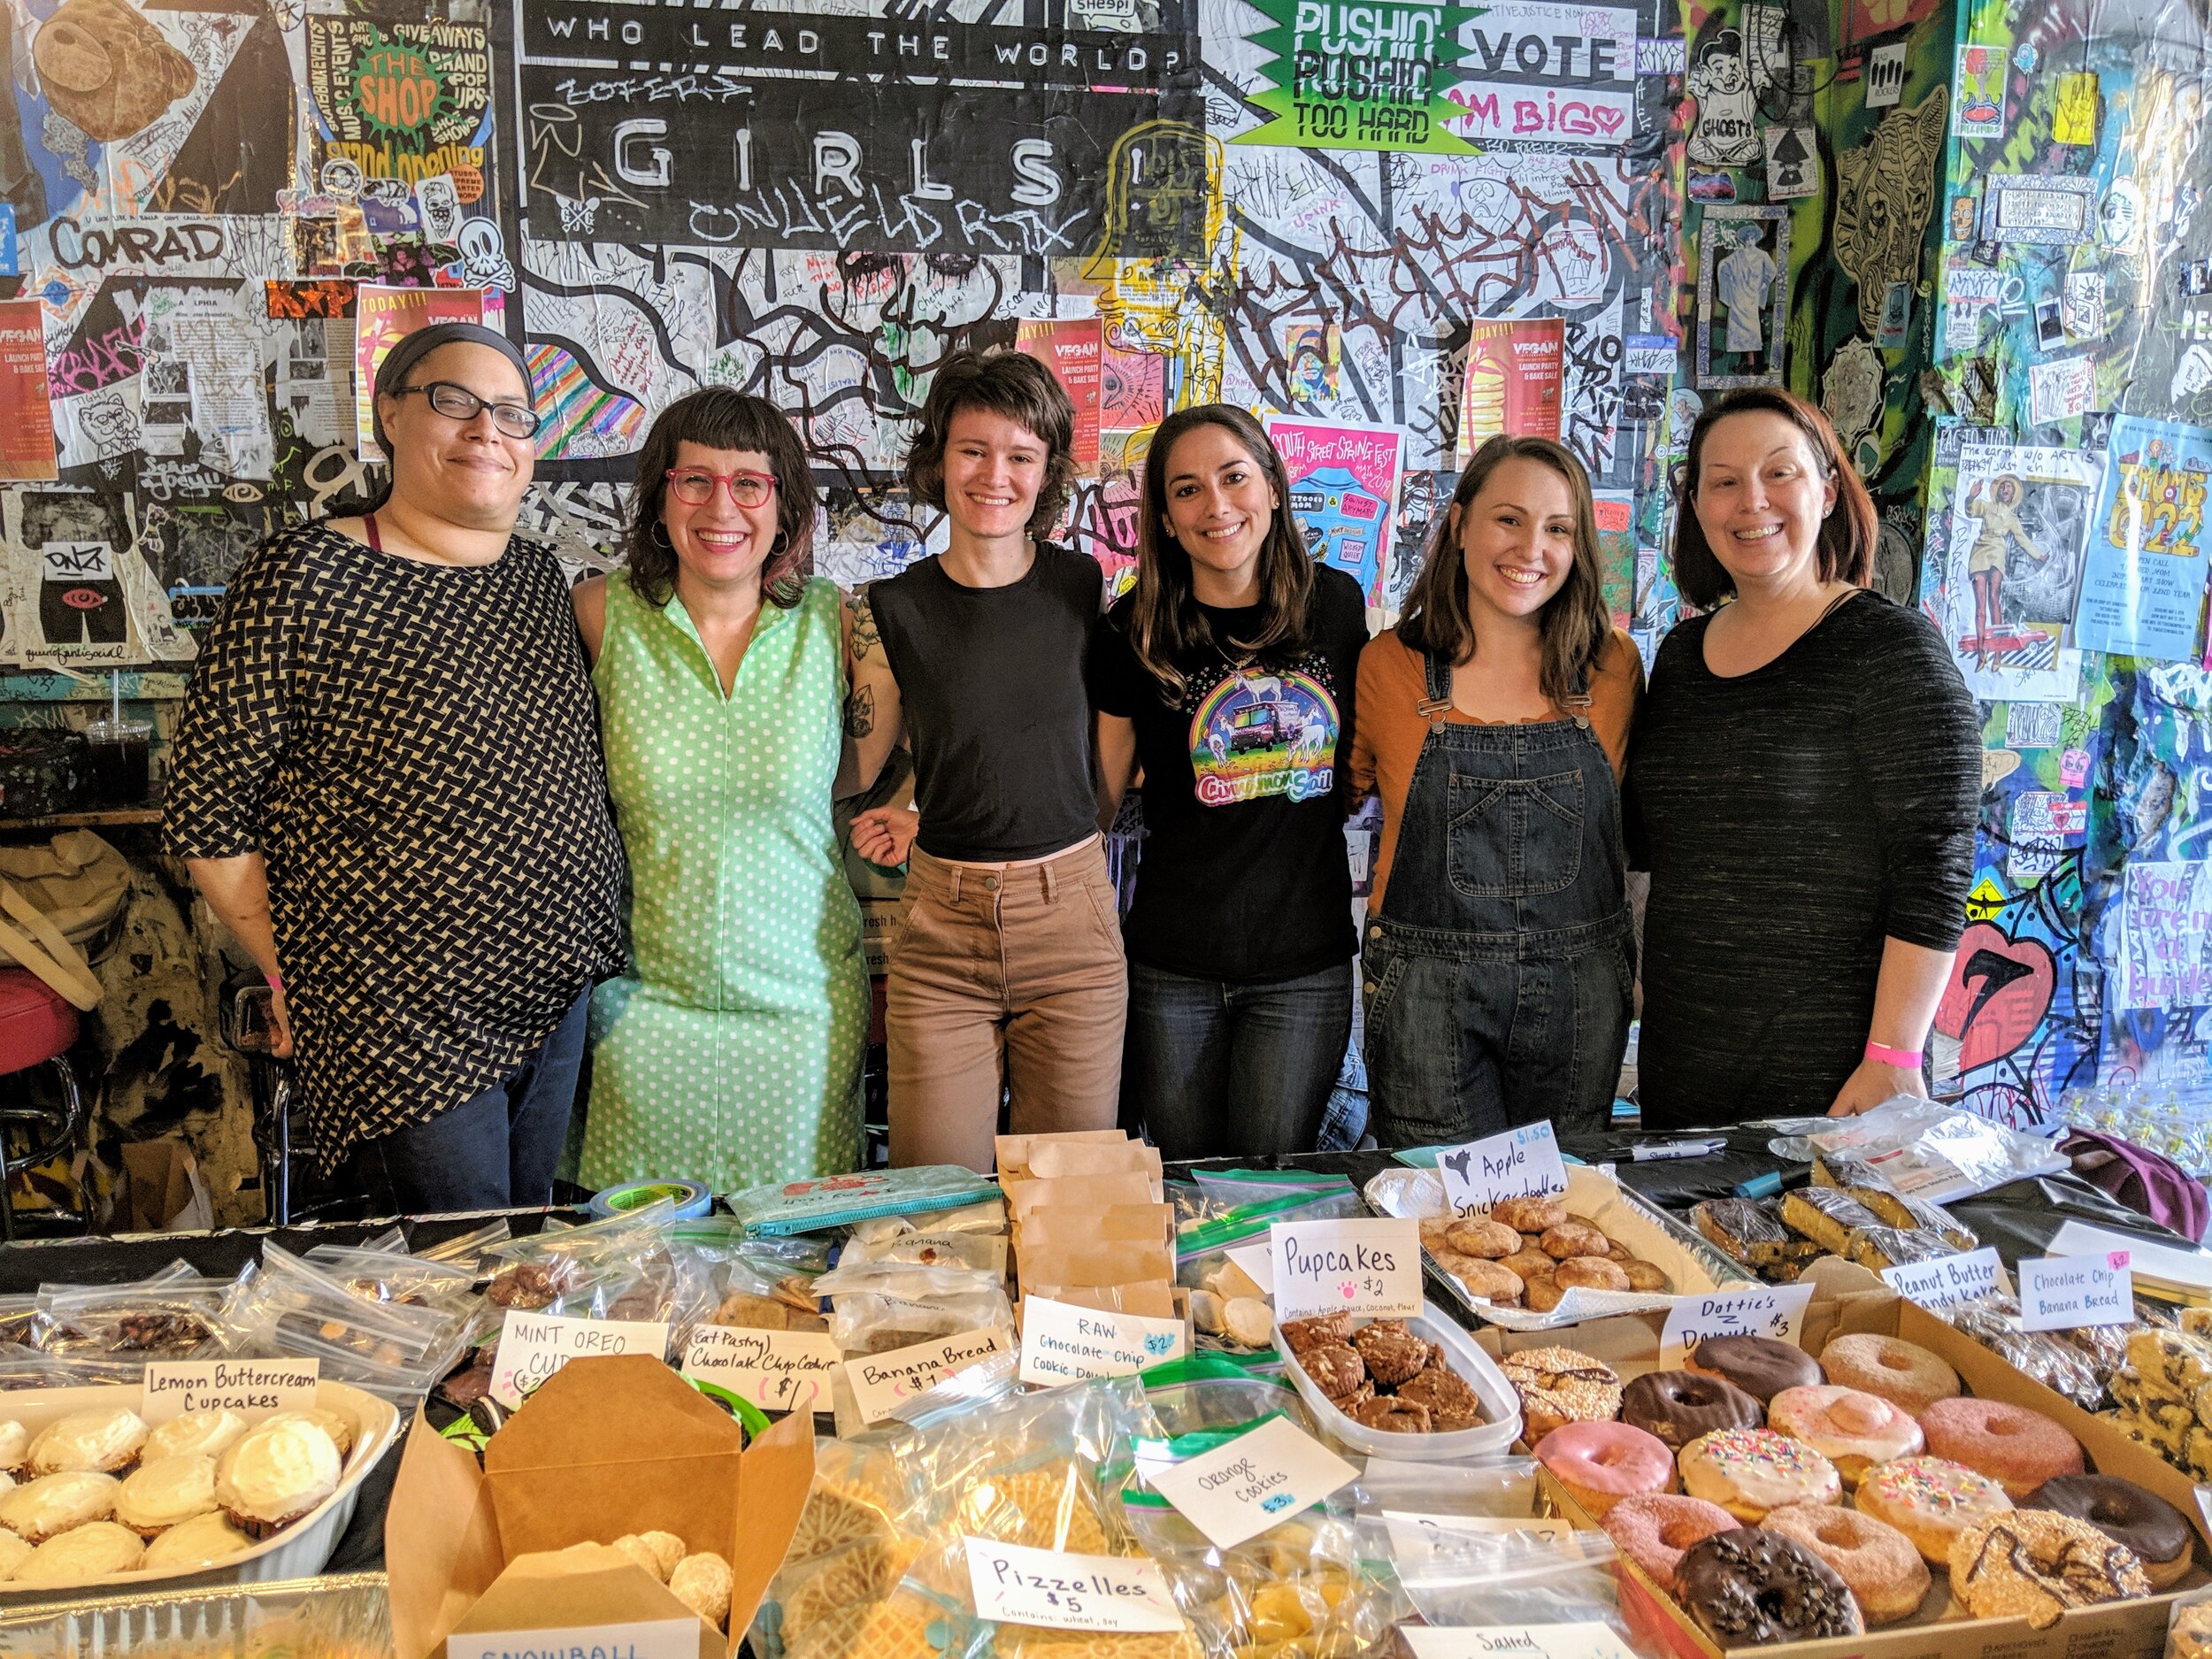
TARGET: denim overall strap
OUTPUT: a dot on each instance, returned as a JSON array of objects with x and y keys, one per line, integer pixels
[{"x": 1497, "y": 973}]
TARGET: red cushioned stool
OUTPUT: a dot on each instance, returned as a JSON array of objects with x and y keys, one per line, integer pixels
[{"x": 37, "y": 1026}]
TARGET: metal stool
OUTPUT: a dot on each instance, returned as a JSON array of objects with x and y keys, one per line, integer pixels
[{"x": 37, "y": 1026}]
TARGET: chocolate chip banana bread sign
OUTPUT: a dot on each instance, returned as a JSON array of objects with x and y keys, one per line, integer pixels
[{"x": 107, "y": 70}]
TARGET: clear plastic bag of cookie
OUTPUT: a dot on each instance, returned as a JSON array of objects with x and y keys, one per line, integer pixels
[
  {"x": 1994, "y": 1322},
  {"x": 1478, "y": 1576},
  {"x": 879, "y": 1306}
]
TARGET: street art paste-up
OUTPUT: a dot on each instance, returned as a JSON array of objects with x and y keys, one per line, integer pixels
[
  {"x": 2019, "y": 517},
  {"x": 1743, "y": 283}
]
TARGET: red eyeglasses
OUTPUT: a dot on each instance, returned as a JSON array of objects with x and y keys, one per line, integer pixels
[{"x": 694, "y": 486}]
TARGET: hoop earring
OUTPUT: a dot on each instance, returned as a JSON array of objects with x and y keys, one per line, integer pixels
[{"x": 658, "y": 536}]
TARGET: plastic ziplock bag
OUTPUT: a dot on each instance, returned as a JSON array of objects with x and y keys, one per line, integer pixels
[
  {"x": 879, "y": 1306},
  {"x": 987, "y": 1216},
  {"x": 1203, "y": 1267},
  {"x": 175, "y": 1314},
  {"x": 840, "y": 1201},
  {"x": 1924, "y": 1148},
  {"x": 293, "y": 1309},
  {"x": 1994, "y": 1322},
  {"x": 1454, "y": 1577},
  {"x": 1211, "y": 1390}
]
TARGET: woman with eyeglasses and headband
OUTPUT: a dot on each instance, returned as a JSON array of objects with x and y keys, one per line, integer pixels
[
  {"x": 730, "y": 1051},
  {"x": 387, "y": 784}
]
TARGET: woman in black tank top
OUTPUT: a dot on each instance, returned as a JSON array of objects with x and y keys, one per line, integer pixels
[{"x": 1006, "y": 977}]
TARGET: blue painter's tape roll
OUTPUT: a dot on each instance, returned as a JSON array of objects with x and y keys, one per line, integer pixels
[{"x": 691, "y": 1198}]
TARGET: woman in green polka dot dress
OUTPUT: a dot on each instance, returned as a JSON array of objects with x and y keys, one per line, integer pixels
[{"x": 731, "y": 1051}]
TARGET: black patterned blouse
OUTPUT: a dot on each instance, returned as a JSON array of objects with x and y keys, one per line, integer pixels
[{"x": 414, "y": 748}]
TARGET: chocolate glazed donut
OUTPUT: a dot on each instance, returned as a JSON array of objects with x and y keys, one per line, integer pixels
[
  {"x": 1752, "y": 1586},
  {"x": 1758, "y": 1365},
  {"x": 2126, "y": 1514},
  {"x": 1678, "y": 1406}
]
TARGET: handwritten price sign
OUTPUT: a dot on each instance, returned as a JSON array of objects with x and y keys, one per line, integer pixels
[
  {"x": 1522, "y": 1162},
  {"x": 1370, "y": 1266}
]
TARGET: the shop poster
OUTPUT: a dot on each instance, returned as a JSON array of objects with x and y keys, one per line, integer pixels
[
  {"x": 1359, "y": 74},
  {"x": 2143, "y": 584},
  {"x": 2013, "y": 568},
  {"x": 26, "y": 409},
  {"x": 1516, "y": 371},
  {"x": 1072, "y": 352},
  {"x": 1344, "y": 491},
  {"x": 383, "y": 317}
]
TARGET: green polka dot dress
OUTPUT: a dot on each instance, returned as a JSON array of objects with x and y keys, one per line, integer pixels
[{"x": 731, "y": 1052}]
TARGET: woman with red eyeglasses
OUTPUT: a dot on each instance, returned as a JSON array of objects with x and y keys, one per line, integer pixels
[{"x": 730, "y": 1051}]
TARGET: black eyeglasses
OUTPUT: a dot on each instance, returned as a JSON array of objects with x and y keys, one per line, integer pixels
[{"x": 457, "y": 403}]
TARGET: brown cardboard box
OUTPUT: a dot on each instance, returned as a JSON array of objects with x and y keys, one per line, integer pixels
[
  {"x": 1849, "y": 1299},
  {"x": 608, "y": 1446}
]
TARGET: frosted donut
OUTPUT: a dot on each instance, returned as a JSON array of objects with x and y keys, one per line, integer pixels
[
  {"x": 1748, "y": 1471},
  {"x": 1879, "y": 1564},
  {"x": 1852, "y": 1430},
  {"x": 1679, "y": 1406},
  {"x": 1600, "y": 1463},
  {"x": 1930, "y": 1500},
  {"x": 2017, "y": 1449},
  {"x": 1903, "y": 1373},
  {"x": 2035, "y": 1565},
  {"x": 1653, "y": 1529}
]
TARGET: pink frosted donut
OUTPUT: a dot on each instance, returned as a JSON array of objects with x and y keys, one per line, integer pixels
[
  {"x": 2017, "y": 1449},
  {"x": 1851, "y": 1429},
  {"x": 1653, "y": 1529},
  {"x": 1600, "y": 1463}
]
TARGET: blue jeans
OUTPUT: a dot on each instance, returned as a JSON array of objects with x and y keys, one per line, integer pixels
[
  {"x": 495, "y": 1151},
  {"x": 1218, "y": 1070}
]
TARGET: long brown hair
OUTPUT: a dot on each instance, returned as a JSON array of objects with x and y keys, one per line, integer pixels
[
  {"x": 1007, "y": 383},
  {"x": 1165, "y": 616},
  {"x": 716, "y": 417},
  {"x": 1576, "y": 624},
  {"x": 1849, "y": 534}
]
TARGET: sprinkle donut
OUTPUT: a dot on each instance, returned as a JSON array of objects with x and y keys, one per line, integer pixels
[
  {"x": 1600, "y": 1463},
  {"x": 1930, "y": 1500},
  {"x": 2017, "y": 1449},
  {"x": 1903, "y": 1373},
  {"x": 1853, "y": 1430},
  {"x": 1748, "y": 1471},
  {"x": 1654, "y": 1528},
  {"x": 1881, "y": 1566},
  {"x": 2035, "y": 1565}
]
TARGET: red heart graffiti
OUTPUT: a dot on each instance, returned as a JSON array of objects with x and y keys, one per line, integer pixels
[
  {"x": 1609, "y": 119},
  {"x": 2000, "y": 990}
]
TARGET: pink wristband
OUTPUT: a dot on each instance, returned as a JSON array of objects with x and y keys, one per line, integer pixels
[
  {"x": 1907, "y": 1058},
  {"x": 275, "y": 981}
]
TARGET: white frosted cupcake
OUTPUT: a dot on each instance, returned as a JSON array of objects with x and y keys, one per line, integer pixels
[
  {"x": 279, "y": 1471},
  {"x": 99, "y": 1442},
  {"x": 39, "y": 1510},
  {"x": 15, "y": 1444},
  {"x": 98, "y": 1549},
  {"x": 201, "y": 1541},
  {"x": 165, "y": 1491},
  {"x": 336, "y": 1424},
  {"x": 210, "y": 1434}
]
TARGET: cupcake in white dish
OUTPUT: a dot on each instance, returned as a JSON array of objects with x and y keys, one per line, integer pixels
[
  {"x": 98, "y": 1549},
  {"x": 165, "y": 1491},
  {"x": 105, "y": 1442},
  {"x": 15, "y": 1444},
  {"x": 210, "y": 1434},
  {"x": 38, "y": 1509},
  {"x": 201, "y": 1541},
  {"x": 279, "y": 1471},
  {"x": 336, "y": 1424}
]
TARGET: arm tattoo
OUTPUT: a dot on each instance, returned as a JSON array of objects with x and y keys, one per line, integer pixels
[
  {"x": 865, "y": 638},
  {"x": 860, "y": 712}
]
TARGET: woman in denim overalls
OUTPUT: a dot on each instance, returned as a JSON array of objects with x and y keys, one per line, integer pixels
[{"x": 1493, "y": 719}]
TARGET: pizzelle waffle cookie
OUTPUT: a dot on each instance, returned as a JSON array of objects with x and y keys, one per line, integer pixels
[{"x": 2164, "y": 1397}]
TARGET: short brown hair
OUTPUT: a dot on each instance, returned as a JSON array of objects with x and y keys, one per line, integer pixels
[
  {"x": 716, "y": 418},
  {"x": 1847, "y": 535},
  {"x": 1576, "y": 623},
  {"x": 1007, "y": 383}
]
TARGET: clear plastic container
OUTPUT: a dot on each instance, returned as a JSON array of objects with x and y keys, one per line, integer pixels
[{"x": 1500, "y": 1404}]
